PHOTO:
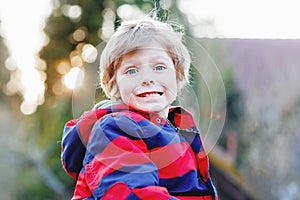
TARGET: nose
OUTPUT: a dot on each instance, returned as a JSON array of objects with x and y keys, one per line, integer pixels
[
  {"x": 147, "y": 76},
  {"x": 147, "y": 82}
]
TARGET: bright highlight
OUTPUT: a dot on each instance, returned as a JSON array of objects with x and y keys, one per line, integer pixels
[
  {"x": 74, "y": 78},
  {"x": 24, "y": 37}
]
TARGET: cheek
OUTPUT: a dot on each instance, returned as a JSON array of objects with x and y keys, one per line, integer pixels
[
  {"x": 125, "y": 89},
  {"x": 170, "y": 82}
]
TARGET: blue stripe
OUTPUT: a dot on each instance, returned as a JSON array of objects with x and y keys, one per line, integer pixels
[
  {"x": 132, "y": 196},
  {"x": 137, "y": 178},
  {"x": 188, "y": 184},
  {"x": 108, "y": 129},
  {"x": 193, "y": 138},
  {"x": 141, "y": 175},
  {"x": 74, "y": 150}
]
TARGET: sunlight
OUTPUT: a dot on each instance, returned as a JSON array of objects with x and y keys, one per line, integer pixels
[{"x": 24, "y": 37}]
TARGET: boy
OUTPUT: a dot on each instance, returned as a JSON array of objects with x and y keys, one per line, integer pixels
[{"x": 137, "y": 146}]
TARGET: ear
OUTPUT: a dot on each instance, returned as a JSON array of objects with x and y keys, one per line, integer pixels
[{"x": 116, "y": 95}]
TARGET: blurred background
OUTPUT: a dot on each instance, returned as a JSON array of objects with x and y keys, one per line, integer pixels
[{"x": 49, "y": 52}]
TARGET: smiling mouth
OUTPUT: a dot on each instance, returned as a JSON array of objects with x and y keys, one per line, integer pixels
[{"x": 150, "y": 94}]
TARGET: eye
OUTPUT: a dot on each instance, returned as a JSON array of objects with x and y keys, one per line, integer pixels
[
  {"x": 159, "y": 68},
  {"x": 131, "y": 71}
]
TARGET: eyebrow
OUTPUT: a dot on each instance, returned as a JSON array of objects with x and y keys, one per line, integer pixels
[{"x": 152, "y": 59}]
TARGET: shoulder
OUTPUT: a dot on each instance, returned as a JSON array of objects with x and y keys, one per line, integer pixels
[
  {"x": 118, "y": 128},
  {"x": 125, "y": 123}
]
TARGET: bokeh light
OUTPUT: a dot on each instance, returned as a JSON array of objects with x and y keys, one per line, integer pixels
[
  {"x": 89, "y": 53},
  {"x": 24, "y": 42},
  {"x": 74, "y": 78},
  {"x": 72, "y": 11}
]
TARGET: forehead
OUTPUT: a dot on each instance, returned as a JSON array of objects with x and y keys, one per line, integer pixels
[
  {"x": 147, "y": 54},
  {"x": 146, "y": 47},
  {"x": 145, "y": 41}
]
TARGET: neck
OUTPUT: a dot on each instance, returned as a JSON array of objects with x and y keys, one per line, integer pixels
[{"x": 163, "y": 114}]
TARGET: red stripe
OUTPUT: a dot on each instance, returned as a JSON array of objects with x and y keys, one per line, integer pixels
[
  {"x": 174, "y": 160},
  {"x": 100, "y": 112},
  {"x": 118, "y": 191},
  {"x": 121, "y": 152},
  {"x": 72, "y": 122},
  {"x": 86, "y": 124},
  {"x": 82, "y": 190},
  {"x": 203, "y": 165},
  {"x": 152, "y": 192},
  {"x": 185, "y": 120}
]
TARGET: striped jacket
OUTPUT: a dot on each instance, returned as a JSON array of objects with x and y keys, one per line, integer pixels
[{"x": 119, "y": 153}]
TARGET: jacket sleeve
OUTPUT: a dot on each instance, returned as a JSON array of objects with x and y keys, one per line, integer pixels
[
  {"x": 203, "y": 165},
  {"x": 117, "y": 163},
  {"x": 72, "y": 149},
  {"x": 74, "y": 140}
]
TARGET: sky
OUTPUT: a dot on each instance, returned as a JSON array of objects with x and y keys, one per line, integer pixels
[
  {"x": 22, "y": 24},
  {"x": 264, "y": 19}
]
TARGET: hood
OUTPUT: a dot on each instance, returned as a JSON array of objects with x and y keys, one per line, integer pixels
[{"x": 89, "y": 118}]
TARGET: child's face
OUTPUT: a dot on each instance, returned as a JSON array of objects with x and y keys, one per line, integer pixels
[{"x": 146, "y": 80}]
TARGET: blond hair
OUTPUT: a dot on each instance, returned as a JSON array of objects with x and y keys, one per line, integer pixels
[{"x": 134, "y": 35}]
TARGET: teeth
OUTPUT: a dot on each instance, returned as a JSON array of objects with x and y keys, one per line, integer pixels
[{"x": 152, "y": 94}]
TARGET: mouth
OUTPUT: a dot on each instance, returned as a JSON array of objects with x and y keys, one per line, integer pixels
[{"x": 150, "y": 94}]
